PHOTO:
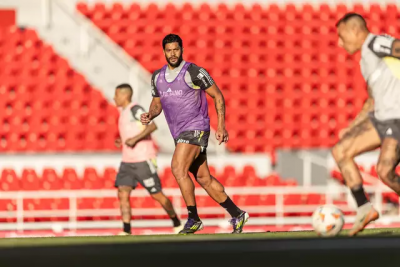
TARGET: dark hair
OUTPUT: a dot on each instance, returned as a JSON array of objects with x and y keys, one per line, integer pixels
[
  {"x": 172, "y": 38},
  {"x": 125, "y": 86},
  {"x": 349, "y": 16}
]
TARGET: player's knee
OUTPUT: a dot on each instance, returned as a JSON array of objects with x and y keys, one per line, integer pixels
[
  {"x": 123, "y": 194},
  {"x": 123, "y": 198},
  {"x": 340, "y": 153},
  {"x": 337, "y": 152},
  {"x": 204, "y": 180},
  {"x": 178, "y": 170}
]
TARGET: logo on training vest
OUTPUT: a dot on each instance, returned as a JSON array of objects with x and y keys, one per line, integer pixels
[
  {"x": 169, "y": 92},
  {"x": 182, "y": 141},
  {"x": 389, "y": 131}
]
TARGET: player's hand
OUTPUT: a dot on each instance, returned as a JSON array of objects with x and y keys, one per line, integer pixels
[
  {"x": 118, "y": 142},
  {"x": 222, "y": 136},
  {"x": 145, "y": 118},
  {"x": 131, "y": 142},
  {"x": 343, "y": 132}
]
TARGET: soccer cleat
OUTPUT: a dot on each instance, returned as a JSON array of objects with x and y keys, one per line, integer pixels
[
  {"x": 123, "y": 233},
  {"x": 191, "y": 227},
  {"x": 365, "y": 214},
  {"x": 177, "y": 229},
  {"x": 239, "y": 222}
]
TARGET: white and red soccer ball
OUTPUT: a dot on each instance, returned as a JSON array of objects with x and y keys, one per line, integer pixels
[{"x": 327, "y": 220}]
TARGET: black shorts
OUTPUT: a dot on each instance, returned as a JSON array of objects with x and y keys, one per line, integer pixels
[
  {"x": 145, "y": 173},
  {"x": 387, "y": 128},
  {"x": 197, "y": 138}
]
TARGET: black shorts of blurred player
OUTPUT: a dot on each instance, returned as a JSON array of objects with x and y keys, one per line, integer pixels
[{"x": 145, "y": 173}]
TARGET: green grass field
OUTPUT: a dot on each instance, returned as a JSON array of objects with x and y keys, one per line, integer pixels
[{"x": 60, "y": 241}]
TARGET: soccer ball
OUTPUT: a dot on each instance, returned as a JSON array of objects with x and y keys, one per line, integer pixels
[{"x": 327, "y": 220}]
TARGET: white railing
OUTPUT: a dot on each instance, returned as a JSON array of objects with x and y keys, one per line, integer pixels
[{"x": 279, "y": 210}]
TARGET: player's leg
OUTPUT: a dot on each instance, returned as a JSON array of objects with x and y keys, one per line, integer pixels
[
  {"x": 361, "y": 138},
  {"x": 216, "y": 191},
  {"x": 182, "y": 159},
  {"x": 124, "y": 193},
  {"x": 125, "y": 182},
  {"x": 389, "y": 158},
  {"x": 167, "y": 205},
  {"x": 149, "y": 179}
]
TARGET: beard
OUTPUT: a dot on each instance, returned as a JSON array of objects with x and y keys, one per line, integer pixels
[{"x": 177, "y": 63}]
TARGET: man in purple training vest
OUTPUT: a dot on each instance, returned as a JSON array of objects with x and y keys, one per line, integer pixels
[{"x": 179, "y": 89}]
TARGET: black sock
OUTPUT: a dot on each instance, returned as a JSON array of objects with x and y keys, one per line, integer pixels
[
  {"x": 359, "y": 195},
  {"x": 230, "y": 207},
  {"x": 176, "y": 221},
  {"x": 192, "y": 211},
  {"x": 127, "y": 228}
]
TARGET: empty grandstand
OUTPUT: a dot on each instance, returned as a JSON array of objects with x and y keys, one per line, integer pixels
[{"x": 289, "y": 90}]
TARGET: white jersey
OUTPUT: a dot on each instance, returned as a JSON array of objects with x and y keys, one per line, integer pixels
[
  {"x": 129, "y": 126},
  {"x": 382, "y": 74}
]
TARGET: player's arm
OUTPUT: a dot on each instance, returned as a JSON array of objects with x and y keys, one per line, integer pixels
[
  {"x": 154, "y": 110},
  {"x": 142, "y": 135},
  {"x": 202, "y": 80},
  {"x": 362, "y": 115},
  {"x": 155, "y": 105},
  {"x": 367, "y": 107},
  {"x": 137, "y": 112},
  {"x": 219, "y": 102},
  {"x": 385, "y": 46}
]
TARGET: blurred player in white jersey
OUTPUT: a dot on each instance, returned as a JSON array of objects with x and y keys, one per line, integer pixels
[
  {"x": 378, "y": 124},
  {"x": 138, "y": 159}
]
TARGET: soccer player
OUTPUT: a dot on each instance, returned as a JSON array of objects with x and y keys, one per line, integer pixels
[
  {"x": 378, "y": 123},
  {"x": 138, "y": 159},
  {"x": 179, "y": 89}
]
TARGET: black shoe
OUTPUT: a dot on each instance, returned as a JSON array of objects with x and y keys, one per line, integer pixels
[
  {"x": 239, "y": 222},
  {"x": 191, "y": 227}
]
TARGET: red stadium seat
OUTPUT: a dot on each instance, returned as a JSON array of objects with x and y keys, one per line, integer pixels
[
  {"x": 71, "y": 180},
  {"x": 30, "y": 180},
  {"x": 9, "y": 180},
  {"x": 110, "y": 203},
  {"x": 50, "y": 180},
  {"x": 44, "y": 77},
  {"x": 8, "y": 205},
  {"x": 109, "y": 177},
  {"x": 91, "y": 180},
  {"x": 309, "y": 37}
]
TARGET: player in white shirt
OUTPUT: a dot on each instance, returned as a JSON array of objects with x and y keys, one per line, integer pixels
[
  {"x": 378, "y": 123},
  {"x": 138, "y": 164}
]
